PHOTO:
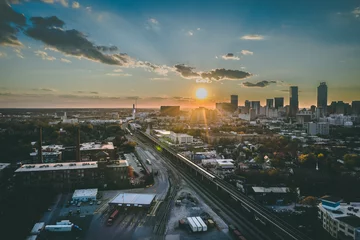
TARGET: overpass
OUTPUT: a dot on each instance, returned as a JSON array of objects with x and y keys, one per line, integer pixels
[{"x": 261, "y": 213}]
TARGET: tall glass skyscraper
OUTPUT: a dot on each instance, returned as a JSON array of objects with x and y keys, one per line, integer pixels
[
  {"x": 234, "y": 101},
  {"x": 294, "y": 100},
  {"x": 322, "y": 97}
]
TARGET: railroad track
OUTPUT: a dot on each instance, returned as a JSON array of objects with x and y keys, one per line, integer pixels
[{"x": 247, "y": 227}]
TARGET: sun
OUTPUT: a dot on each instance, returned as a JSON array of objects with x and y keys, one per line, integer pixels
[{"x": 201, "y": 93}]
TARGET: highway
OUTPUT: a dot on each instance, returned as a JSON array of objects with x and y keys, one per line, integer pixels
[{"x": 284, "y": 230}]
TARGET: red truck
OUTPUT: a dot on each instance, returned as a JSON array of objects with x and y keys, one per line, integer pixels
[{"x": 112, "y": 217}]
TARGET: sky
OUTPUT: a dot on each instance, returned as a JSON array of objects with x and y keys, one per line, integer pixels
[{"x": 64, "y": 53}]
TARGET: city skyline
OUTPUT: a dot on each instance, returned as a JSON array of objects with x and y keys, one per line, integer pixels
[{"x": 107, "y": 54}]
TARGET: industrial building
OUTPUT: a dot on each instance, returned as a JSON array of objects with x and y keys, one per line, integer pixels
[
  {"x": 132, "y": 200},
  {"x": 272, "y": 195},
  {"x": 84, "y": 195},
  {"x": 180, "y": 138},
  {"x": 74, "y": 174},
  {"x": 341, "y": 220}
]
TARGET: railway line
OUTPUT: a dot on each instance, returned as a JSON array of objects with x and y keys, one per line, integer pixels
[
  {"x": 247, "y": 227},
  {"x": 284, "y": 230}
]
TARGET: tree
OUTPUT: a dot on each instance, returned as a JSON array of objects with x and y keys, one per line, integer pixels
[
  {"x": 351, "y": 160},
  {"x": 310, "y": 200}
]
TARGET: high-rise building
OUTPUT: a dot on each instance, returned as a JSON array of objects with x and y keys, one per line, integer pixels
[
  {"x": 255, "y": 105},
  {"x": 225, "y": 106},
  {"x": 279, "y": 102},
  {"x": 270, "y": 103},
  {"x": 234, "y": 101},
  {"x": 322, "y": 96},
  {"x": 247, "y": 104},
  {"x": 355, "y": 105},
  {"x": 294, "y": 100}
]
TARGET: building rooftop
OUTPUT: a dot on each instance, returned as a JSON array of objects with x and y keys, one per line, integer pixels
[
  {"x": 133, "y": 199},
  {"x": 353, "y": 221},
  {"x": 343, "y": 210},
  {"x": 78, "y": 193},
  {"x": 118, "y": 163},
  {"x": 56, "y": 166},
  {"x": 4, "y": 165},
  {"x": 96, "y": 146},
  {"x": 331, "y": 199},
  {"x": 270, "y": 189},
  {"x": 162, "y": 132}
]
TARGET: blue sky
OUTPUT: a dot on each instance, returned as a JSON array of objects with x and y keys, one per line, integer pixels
[{"x": 255, "y": 49}]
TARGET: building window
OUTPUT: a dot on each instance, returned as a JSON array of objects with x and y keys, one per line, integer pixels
[{"x": 350, "y": 231}]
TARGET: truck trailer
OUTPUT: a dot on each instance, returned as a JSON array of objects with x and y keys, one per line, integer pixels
[
  {"x": 202, "y": 223},
  {"x": 199, "y": 227},
  {"x": 59, "y": 228},
  {"x": 64, "y": 222},
  {"x": 192, "y": 224}
]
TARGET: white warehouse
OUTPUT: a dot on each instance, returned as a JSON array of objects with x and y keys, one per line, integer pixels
[
  {"x": 85, "y": 195},
  {"x": 180, "y": 138}
]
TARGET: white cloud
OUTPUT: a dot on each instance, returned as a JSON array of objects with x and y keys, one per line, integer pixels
[
  {"x": 230, "y": 56},
  {"x": 65, "y": 60},
  {"x": 117, "y": 70},
  {"x": 153, "y": 21},
  {"x": 152, "y": 24},
  {"x": 44, "y": 55},
  {"x": 160, "y": 79},
  {"x": 119, "y": 74},
  {"x": 190, "y": 33},
  {"x": 246, "y": 52},
  {"x": 2, "y": 54},
  {"x": 198, "y": 29},
  {"x": 75, "y": 5},
  {"x": 88, "y": 9},
  {"x": 356, "y": 12},
  {"x": 65, "y": 3},
  {"x": 252, "y": 37},
  {"x": 18, "y": 53}
]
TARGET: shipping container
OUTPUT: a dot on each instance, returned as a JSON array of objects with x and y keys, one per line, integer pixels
[
  {"x": 192, "y": 225},
  {"x": 204, "y": 227}
]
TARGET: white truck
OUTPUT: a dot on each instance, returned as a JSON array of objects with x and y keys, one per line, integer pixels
[
  {"x": 59, "y": 228},
  {"x": 64, "y": 222},
  {"x": 199, "y": 227},
  {"x": 192, "y": 225},
  {"x": 204, "y": 226}
]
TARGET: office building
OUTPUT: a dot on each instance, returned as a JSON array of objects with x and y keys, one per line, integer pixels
[
  {"x": 322, "y": 94},
  {"x": 234, "y": 101},
  {"x": 270, "y": 103},
  {"x": 247, "y": 104},
  {"x": 319, "y": 128},
  {"x": 171, "y": 111},
  {"x": 313, "y": 108},
  {"x": 340, "y": 219},
  {"x": 340, "y": 108},
  {"x": 303, "y": 116},
  {"x": 355, "y": 105},
  {"x": 202, "y": 115},
  {"x": 279, "y": 102},
  {"x": 256, "y": 105},
  {"x": 294, "y": 101}
]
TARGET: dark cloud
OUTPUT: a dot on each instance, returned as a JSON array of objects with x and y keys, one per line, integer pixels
[
  {"x": 72, "y": 42},
  {"x": 184, "y": 99},
  {"x": 260, "y": 84},
  {"x": 186, "y": 71},
  {"x": 81, "y": 92},
  {"x": 10, "y": 23},
  {"x": 133, "y": 98},
  {"x": 107, "y": 49},
  {"x": 225, "y": 74}
]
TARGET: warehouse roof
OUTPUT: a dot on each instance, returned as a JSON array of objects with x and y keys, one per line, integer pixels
[
  {"x": 4, "y": 165},
  {"x": 79, "y": 193},
  {"x": 56, "y": 166},
  {"x": 271, "y": 189},
  {"x": 96, "y": 146},
  {"x": 133, "y": 199}
]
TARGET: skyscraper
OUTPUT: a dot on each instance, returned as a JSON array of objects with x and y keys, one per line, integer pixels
[
  {"x": 322, "y": 97},
  {"x": 234, "y": 101},
  {"x": 256, "y": 105},
  {"x": 270, "y": 103},
  {"x": 279, "y": 102},
  {"x": 294, "y": 100}
]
